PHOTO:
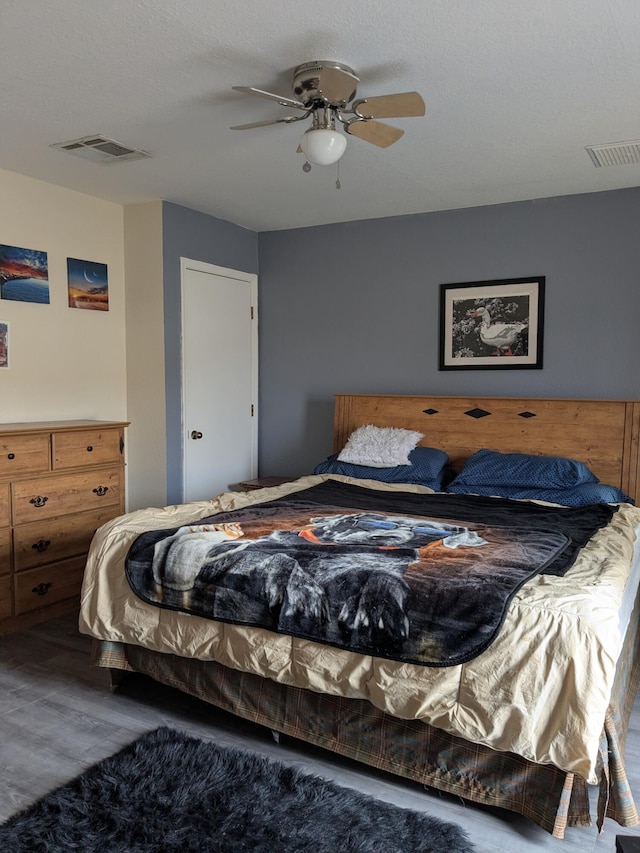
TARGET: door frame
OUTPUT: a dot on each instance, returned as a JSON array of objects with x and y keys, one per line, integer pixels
[{"x": 252, "y": 279}]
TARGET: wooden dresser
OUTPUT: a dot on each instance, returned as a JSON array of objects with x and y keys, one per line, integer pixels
[{"x": 59, "y": 481}]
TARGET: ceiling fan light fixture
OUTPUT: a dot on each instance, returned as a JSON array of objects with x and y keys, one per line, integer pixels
[{"x": 323, "y": 146}]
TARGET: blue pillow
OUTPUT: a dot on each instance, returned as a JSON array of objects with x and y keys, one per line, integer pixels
[
  {"x": 491, "y": 468},
  {"x": 581, "y": 495},
  {"x": 428, "y": 467}
]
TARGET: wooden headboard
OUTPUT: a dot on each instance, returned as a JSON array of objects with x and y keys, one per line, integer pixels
[{"x": 602, "y": 433}]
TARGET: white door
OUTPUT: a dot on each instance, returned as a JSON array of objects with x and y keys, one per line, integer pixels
[{"x": 219, "y": 378}]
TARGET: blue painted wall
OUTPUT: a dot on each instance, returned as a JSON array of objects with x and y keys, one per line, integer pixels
[
  {"x": 353, "y": 307},
  {"x": 189, "y": 234}
]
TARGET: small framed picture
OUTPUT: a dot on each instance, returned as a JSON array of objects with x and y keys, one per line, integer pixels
[
  {"x": 492, "y": 325},
  {"x": 4, "y": 344}
]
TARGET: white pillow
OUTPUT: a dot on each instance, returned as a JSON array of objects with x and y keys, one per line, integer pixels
[{"x": 380, "y": 447}]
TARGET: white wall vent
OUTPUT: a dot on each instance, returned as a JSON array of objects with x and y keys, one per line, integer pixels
[
  {"x": 615, "y": 153},
  {"x": 101, "y": 149}
]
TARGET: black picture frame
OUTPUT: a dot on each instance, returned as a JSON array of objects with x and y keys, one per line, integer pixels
[{"x": 492, "y": 325}]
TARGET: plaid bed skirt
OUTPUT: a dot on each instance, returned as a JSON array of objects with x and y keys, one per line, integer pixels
[{"x": 550, "y": 797}]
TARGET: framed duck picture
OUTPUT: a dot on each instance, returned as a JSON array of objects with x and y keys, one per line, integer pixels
[{"x": 492, "y": 325}]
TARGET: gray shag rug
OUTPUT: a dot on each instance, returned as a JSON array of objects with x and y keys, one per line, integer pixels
[{"x": 172, "y": 792}]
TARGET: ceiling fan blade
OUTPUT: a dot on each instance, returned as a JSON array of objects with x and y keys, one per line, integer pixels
[
  {"x": 400, "y": 105},
  {"x": 281, "y": 120},
  {"x": 337, "y": 85},
  {"x": 280, "y": 99},
  {"x": 382, "y": 135}
]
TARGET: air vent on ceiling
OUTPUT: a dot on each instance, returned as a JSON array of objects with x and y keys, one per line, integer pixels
[
  {"x": 101, "y": 149},
  {"x": 615, "y": 153}
]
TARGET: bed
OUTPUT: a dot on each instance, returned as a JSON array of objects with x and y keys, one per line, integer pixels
[{"x": 534, "y": 751}]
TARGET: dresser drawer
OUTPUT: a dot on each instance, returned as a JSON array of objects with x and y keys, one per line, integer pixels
[
  {"x": 24, "y": 454},
  {"x": 89, "y": 447},
  {"x": 40, "y": 587},
  {"x": 55, "y": 539},
  {"x": 5, "y": 597},
  {"x": 48, "y": 497},
  {"x": 4, "y": 504},
  {"x": 5, "y": 550}
]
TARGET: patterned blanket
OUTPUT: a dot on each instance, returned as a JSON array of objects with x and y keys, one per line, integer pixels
[{"x": 417, "y": 578}]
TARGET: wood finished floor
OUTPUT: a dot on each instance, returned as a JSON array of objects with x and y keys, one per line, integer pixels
[{"x": 58, "y": 716}]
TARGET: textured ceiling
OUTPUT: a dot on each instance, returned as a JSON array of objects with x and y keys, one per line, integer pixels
[{"x": 515, "y": 90}]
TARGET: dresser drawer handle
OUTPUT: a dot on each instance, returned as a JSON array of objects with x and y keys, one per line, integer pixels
[
  {"x": 41, "y": 589},
  {"x": 11, "y": 455},
  {"x": 42, "y": 545},
  {"x": 89, "y": 449},
  {"x": 101, "y": 490},
  {"x": 39, "y": 501}
]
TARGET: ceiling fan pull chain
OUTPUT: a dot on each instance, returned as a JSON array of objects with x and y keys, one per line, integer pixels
[{"x": 338, "y": 184}]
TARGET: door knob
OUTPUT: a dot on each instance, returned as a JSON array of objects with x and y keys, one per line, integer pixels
[{"x": 195, "y": 434}]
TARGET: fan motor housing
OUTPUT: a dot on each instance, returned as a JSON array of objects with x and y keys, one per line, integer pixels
[{"x": 306, "y": 80}]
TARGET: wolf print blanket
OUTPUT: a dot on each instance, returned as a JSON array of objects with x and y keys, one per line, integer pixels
[{"x": 423, "y": 579}]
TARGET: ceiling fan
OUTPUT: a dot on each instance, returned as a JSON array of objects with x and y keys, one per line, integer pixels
[{"x": 326, "y": 93}]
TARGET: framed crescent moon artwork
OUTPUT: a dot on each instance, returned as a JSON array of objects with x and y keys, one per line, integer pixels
[
  {"x": 88, "y": 285},
  {"x": 492, "y": 325}
]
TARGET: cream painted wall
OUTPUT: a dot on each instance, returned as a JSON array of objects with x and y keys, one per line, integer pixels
[
  {"x": 146, "y": 437},
  {"x": 64, "y": 363}
]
